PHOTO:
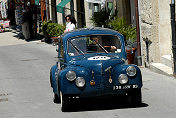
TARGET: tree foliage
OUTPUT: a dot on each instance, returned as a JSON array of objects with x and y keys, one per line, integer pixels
[
  {"x": 120, "y": 25},
  {"x": 52, "y": 29},
  {"x": 101, "y": 18}
]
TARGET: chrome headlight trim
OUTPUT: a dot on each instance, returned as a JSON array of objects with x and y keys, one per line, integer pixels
[
  {"x": 71, "y": 75},
  {"x": 123, "y": 79},
  {"x": 80, "y": 82},
  {"x": 131, "y": 71}
]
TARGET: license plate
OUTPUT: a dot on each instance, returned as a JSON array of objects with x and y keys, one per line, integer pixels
[{"x": 124, "y": 87}]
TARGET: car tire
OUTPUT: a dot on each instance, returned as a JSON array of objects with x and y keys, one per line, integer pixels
[
  {"x": 65, "y": 103},
  {"x": 136, "y": 98},
  {"x": 56, "y": 98}
]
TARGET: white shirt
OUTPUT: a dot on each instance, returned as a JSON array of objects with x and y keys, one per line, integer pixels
[{"x": 70, "y": 26}]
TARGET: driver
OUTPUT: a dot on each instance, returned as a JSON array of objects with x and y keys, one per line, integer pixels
[
  {"x": 106, "y": 46},
  {"x": 94, "y": 43}
]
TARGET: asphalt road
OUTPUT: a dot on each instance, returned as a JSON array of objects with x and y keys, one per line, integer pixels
[{"x": 25, "y": 90}]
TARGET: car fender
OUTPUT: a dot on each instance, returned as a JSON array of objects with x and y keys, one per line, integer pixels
[
  {"x": 137, "y": 79},
  {"x": 53, "y": 78}
]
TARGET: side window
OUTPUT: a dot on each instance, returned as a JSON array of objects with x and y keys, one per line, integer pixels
[
  {"x": 112, "y": 43},
  {"x": 117, "y": 42}
]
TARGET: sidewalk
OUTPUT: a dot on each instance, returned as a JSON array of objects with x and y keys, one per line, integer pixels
[{"x": 12, "y": 38}]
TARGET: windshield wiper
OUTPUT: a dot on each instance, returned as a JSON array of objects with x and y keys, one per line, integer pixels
[
  {"x": 76, "y": 48},
  {"x": 101, "y": 46}
]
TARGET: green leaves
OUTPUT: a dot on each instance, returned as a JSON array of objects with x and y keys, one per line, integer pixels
[
  {"x": 120, "y": 25},
  {"x": 101, "y": 18},
  {"x": 105, "y": 18},
  {"x": 52, "y": 29},
  {"x": 55, "y": 29},
  {"x": 44, "y": 27}
]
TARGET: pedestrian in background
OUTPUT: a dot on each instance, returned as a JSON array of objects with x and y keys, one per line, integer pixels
[
  {"x": 70, "y": 23},
  {"x": 27, "y": 22}
]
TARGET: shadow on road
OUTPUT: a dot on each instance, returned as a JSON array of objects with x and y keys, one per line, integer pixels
[
  {"x": 109, "y": 103},
  {"x": 19, "y": 35}
]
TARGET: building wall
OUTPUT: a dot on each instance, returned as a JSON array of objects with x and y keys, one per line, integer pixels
[
  {"x": 75, "y": 8},
  {"x": 89, "y": 9},
  {"x": 59, "y": 15},
  {"x": 88, "y": 14},
  {"x": 52, "y": 10},
  {"x": 123, "y": 8},
  {"x": 67, "y": 11},
  {"x": 78, "y": 14},
  {"x": 3, "y": 12},
  {"x": 133, "y": 12},
  {"x": 164, "y": 27},
  {"x": 155, "y": 29}
]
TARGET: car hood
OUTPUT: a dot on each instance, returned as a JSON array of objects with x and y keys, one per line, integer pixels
[{"x": 98, "y": 64}]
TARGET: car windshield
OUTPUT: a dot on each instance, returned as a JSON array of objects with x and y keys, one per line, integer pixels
[{"x": 94, "y": 44}]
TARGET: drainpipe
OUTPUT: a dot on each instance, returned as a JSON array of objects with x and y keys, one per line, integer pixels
[
  {"x": 172, "y": 9},
  {"x": 139, "y": 58}
]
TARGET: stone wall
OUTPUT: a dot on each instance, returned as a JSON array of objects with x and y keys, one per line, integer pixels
[
  {"x": 155, "y": 29},
  {"x": 165, "y": 28},
  {"x": 149, "y": 30}
]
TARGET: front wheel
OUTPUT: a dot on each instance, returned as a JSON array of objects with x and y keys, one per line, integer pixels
[
  {"x": 56, "y": 98},
  {"x": 136, "y": 97},
  {"x": 65, "y": 103}
]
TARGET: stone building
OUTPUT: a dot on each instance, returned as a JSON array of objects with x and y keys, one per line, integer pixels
[
  {"x": 3, "y": 9},
  {"x": 156, "y": 39},
  {"x": 83, "y": 10}
]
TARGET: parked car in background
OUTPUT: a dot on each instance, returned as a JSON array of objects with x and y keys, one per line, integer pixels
[{"x": 92, "y": 63}]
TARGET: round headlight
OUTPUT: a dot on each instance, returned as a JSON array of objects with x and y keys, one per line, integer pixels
[
  {"x": 123, "y": 79},
  {"x": 131, "y": 71},
  {"x": 80, "y": 81},
  {"x": 71, "y": 75}
]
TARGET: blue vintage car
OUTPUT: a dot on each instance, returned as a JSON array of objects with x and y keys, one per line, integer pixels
[{"x": 91, "y": 63}]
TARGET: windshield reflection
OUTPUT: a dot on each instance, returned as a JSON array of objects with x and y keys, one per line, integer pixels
[{"x": 94, "y": 44}]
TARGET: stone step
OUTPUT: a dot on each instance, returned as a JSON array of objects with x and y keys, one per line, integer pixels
[
  {"x": 161, "y": 68},
  {"x": 166, "y": 60}
]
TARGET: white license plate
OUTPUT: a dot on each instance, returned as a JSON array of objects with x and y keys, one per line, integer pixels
[{"x": 124, "y": 87}]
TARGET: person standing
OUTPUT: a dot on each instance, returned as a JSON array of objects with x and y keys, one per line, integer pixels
[
  {"x": 27, "y": 22},
  {"x": 70, "y": 23}
]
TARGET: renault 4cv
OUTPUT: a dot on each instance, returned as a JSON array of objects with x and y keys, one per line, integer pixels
[{"x": 92, "y": 62}]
